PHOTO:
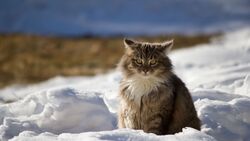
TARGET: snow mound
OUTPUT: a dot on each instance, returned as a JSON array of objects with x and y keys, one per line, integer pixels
[
  {"x": 225, "y": 120},
  {"x": 84, "y": 108},
  {"x": 116, "y": 135},
  {"x": 57, "y": 111}
]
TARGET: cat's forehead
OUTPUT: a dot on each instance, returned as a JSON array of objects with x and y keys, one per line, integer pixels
[
  {"x": 148, "y": 48},
  {"x": 145, "y": 47}
]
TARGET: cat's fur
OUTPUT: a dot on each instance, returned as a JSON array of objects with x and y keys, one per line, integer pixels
[{"x": 153, "y": 98}]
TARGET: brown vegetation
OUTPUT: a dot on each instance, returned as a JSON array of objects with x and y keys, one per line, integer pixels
[{"x": 29, "y": 59}]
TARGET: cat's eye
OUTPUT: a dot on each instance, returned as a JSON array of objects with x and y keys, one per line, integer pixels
[
  {"x": 138, "y": 61},
  {"x": 152, "y": 62}
]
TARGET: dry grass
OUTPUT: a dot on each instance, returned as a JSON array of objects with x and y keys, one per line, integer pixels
[{"x": 29, "y": 59}]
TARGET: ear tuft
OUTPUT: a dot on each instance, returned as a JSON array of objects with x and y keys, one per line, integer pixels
[
  {"x": 167, "y": 46},
  {"x": 130, "y": 43}
]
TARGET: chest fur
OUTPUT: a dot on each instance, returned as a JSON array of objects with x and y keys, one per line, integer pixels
[{"x": 138, "y": 86}]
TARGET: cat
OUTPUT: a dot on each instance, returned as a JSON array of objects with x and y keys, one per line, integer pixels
[{"x": 152, "y": 97}]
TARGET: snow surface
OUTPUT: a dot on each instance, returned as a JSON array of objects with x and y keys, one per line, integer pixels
[
  {"x": 84, "y": 108},
  {"x": 112, "y": 17}
]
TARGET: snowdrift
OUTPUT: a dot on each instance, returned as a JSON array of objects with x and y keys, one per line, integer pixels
[{"x": 84, "y": 108}]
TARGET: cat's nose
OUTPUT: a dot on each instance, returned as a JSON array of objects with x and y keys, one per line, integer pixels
[{"x": 145, "y": 71}]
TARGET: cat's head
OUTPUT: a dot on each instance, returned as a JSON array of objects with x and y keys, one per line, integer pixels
[{"x": 146, "y": 59}]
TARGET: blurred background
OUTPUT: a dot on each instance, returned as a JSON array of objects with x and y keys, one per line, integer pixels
[{"x": 40, "y": 39}]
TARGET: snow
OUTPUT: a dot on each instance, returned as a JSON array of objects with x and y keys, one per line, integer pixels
[
  {"x": 57, "y": 111},
  {"x": 225, "y": 120},
  {"x": 115, "y": 135},
  {"x": 84, "y": 108},
  {"x": 116, "y": 17}
]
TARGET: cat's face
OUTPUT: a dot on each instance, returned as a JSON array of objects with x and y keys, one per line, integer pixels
[{"x": 146, "y": 59}]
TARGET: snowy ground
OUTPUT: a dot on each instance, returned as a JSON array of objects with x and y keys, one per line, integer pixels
[{"x": 84, "y": 108}]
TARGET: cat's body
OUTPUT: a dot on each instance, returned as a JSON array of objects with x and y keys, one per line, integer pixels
[{"x": 153, "y": 98}]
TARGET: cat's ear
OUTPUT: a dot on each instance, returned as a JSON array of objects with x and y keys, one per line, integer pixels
[
  {"x": 130, "y": 43},
  {"x": 167, "y": 46}
]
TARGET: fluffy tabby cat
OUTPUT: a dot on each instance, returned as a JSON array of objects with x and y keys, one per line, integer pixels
[{"x": 153, "y": 98}]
